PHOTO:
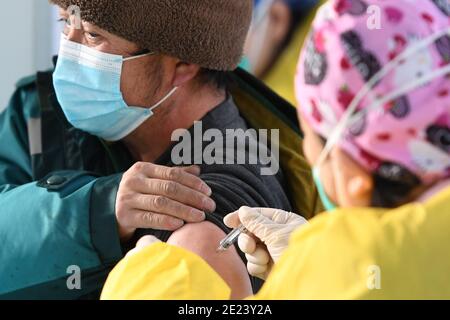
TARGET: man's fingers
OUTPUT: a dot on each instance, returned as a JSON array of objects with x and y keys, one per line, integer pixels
[
  {"x": 140, "y": 219},
  {"x": 179, "y": 175},
  {"x": 175, "y": 191},
  {"x": 194, "y": 170},
  {"x": 164, "y": 205}
]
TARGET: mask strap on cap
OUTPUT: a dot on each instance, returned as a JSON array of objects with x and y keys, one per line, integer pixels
[
  {"x": 349, "y": 116},
  {"x": 441, "y": 72}
]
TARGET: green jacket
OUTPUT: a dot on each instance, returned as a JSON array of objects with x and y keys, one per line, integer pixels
[
  {"x": 56, "y": 201},
  {"x": 58, "y": 187}
]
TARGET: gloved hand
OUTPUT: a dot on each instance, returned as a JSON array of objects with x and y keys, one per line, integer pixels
[{"x": 269, "y": 231}]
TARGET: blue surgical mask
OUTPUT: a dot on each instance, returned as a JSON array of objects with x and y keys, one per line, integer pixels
[
  {"x": 326, "y": 201},
  {"x": 87, "y": 85}
]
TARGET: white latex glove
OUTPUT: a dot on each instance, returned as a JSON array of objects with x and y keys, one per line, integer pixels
[
  {"x": 143, "y": 243},
  {"x": 269, "y": 231}
]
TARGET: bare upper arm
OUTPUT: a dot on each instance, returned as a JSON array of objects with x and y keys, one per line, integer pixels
[{"x": 203, "y": 239}]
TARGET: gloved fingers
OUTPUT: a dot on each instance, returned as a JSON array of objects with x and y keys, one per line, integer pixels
[
  {"x": 232, "y": 220},
  {"x": 265, "y": 215},
  {"x": 260, "y": 257},
  {"x": 255, "y": 221},
  {"x": 246, "y": 215},
  {"x": 295, "y": 219},
  {"x": 280, "y": 216},
  {"x": 257, "y": 270},
  {"x": 247, "y": 243}
]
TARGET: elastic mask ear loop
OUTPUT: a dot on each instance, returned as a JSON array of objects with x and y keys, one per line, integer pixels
[
  {"x": 167, "y": 96},
  {"x": 138, "y": 56},
  {"x": 164, "y": 99}
]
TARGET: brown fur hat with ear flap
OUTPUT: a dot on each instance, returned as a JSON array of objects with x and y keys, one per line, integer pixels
[{"x": 209, "y": 33}]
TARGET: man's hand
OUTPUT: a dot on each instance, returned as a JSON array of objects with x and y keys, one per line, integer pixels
[{"x": 162, "y": 198}]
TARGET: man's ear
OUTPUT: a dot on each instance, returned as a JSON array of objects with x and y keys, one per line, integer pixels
[
  {"x": 354, "y": 185},
  {"x": 184, "y": 72}
]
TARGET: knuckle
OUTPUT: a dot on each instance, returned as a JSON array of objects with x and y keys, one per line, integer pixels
[
  {"x": 199, "y": 199},
  {"x": 174, "y": 174},
  {"x": 123, "y": 198},
  {"x": 121, "y": 216},
  {"x": 130, "y": 181},
  {"x": 160, "y": 202},
  {"x": 148, "y": 218},
  {"x": 153, "y": 220},
  {"x": 170, "y": 188},
  {"x": 198, "y": 185},
  {"x": 139, "y": 166}
]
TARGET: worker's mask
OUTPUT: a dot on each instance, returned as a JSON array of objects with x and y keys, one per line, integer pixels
[
  {"x": 352, "y": 115},
  {"x": 87, "y": 85}
]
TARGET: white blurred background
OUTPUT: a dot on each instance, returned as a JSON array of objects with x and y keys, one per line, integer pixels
[{"x": 29, "y": 38}]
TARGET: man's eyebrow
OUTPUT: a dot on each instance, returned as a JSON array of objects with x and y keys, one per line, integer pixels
[{"x": 92, "y": 27}]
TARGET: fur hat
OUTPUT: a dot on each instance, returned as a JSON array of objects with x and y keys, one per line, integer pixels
[{"x": 210, "y": 33}]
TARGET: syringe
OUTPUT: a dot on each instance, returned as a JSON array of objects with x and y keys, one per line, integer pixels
[{"x": 231, "y": 239}]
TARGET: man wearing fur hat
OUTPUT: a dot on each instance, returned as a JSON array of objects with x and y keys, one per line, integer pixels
[{"x": 85, "y": 162}]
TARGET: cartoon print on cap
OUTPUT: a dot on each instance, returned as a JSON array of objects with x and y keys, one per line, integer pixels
[
  {"x": 443, "y": 5},
  {"x": 443, "y": 46},
  {"x": 427, "y": 157},
  {"x": 324, "y": 114},
  {"x": 359, "y": 125},
  {"x": 352, "y": 7},
  {"x": 394, "y": 15},
  {"x": 396, "y": 172},
  {"x": 396, "y": 46},
  {"x": 415, "y": 66},
  {"x": 400, "y": 108},
  {"x": 316, "y": 64},
  {"x": 367, "y": 64},
  {"x": 412, "y": 131},
  {"x": 439, "y": 136}
]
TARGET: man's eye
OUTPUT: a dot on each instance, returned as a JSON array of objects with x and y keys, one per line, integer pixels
[{"x": 92, "y": 36}]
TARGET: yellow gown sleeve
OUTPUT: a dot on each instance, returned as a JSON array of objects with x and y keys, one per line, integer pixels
[
  {"x": 368, "y": 254},
  {"x": 164, "y": 272}
]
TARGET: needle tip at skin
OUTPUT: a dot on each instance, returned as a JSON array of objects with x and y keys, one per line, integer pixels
[{"x": 221, "y": 249}]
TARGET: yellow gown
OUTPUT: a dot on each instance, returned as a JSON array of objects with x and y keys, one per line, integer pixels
[{"x": 350, "y": 254}]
